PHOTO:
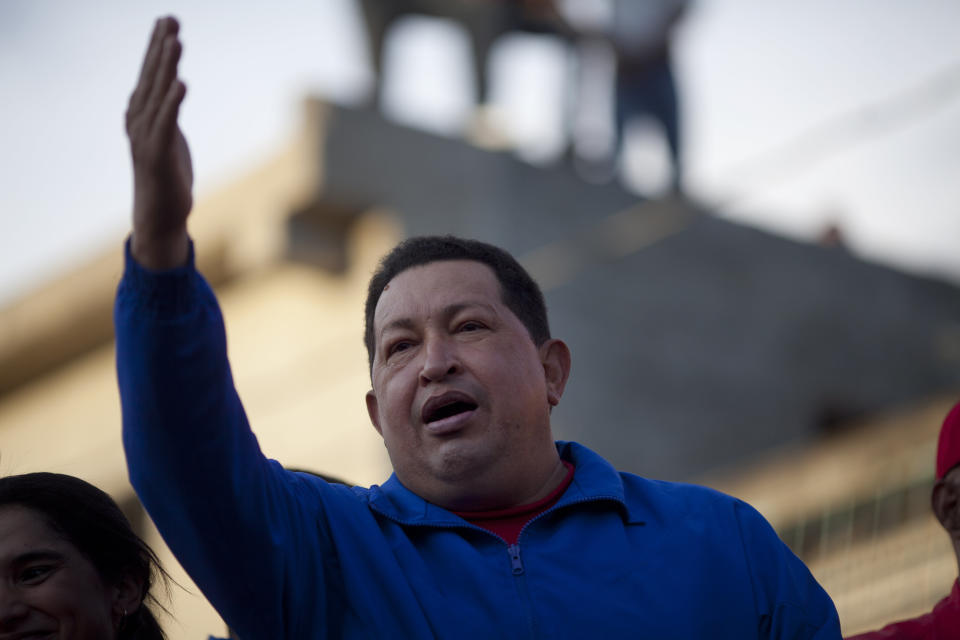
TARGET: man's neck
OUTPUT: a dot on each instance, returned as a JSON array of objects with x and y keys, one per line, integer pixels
[
  {"x": 498, "y": 492},
  {"x": 552, "y": 481}
]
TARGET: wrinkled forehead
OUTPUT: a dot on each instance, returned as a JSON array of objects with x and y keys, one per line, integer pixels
[{"x": 437, "y": 284}]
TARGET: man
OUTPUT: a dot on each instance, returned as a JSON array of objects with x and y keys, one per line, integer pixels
[
  {"x": 487, "y": 528},
  {"x": 943, "y": 622},
  {"x": 641, "y": 35}
]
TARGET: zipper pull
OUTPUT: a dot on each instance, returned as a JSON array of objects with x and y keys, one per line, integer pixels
[{"x": 515, "y": 562}]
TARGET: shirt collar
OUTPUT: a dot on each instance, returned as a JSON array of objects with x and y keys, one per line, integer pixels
[{"x": 594, "y": 480}]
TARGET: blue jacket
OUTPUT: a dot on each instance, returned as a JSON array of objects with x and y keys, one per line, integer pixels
[{"x": 286, "y": 555}]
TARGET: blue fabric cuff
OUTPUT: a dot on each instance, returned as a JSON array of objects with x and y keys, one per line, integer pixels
[{"x": 166, "y": 290}]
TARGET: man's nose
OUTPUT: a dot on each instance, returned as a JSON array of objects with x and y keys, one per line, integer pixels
[{"x": 440, "y": 359}]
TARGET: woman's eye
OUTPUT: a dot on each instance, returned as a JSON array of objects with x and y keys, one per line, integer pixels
[
  {"x": 471, "y": 326},
  {"x": 35, "y": 573}
]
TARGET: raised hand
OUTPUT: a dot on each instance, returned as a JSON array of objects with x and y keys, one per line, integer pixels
[{"x": 162, "y": 170}]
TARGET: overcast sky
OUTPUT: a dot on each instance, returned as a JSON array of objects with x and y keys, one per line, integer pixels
[{"x": 796, "y": 114}]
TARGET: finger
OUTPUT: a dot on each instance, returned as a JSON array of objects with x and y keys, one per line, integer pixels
[
  {"x": 166, "y": 75},
  {"x": 151, "y": 60},
  {"x": 166, "y": 120},
  {"x": 165, "y": 27}
]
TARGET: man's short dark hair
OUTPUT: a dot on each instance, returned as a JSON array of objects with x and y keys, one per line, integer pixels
[{"x": 518, "y": 290}]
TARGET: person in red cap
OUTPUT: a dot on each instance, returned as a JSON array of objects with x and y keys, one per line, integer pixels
[{"x": 944, "y": 621}]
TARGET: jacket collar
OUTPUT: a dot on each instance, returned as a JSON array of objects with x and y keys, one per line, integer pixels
[{"x": 594, "y": 480}]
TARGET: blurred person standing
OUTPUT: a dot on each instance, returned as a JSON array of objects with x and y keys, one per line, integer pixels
[
  {"x": 943, "y": 622},
  {"x": 641, "y": 32}
]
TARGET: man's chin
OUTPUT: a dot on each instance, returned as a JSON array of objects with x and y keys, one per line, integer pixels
[{"x": 459, "y": 459}]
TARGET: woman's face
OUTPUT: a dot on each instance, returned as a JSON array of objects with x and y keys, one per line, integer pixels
[{"x": 48, "y": 589}]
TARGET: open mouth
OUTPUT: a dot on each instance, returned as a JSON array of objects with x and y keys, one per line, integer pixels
[
  {"x": 451, "y": 409},
  {"x": 446, "y": 406}
]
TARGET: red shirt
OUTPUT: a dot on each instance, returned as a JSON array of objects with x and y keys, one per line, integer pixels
[
  {"x": 507, "y": 523},
  {"x": 943, "y": 623}
]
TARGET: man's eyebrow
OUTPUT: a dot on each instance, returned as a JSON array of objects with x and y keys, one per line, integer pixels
[
  {"x": 447, "y": 311},
  {"x": 399, "y": 323},
  {"x": 456, "y": 308}
]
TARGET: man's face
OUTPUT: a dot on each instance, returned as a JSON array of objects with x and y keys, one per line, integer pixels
[
  {"x": 460, "y": 394},
  {"x": 946, "y": 504}
]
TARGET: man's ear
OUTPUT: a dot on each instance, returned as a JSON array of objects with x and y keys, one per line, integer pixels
[
  {"x": 373, "y": 411},
  {"x": 555, "y": 357},
  {"x": 945, "y": 500}
]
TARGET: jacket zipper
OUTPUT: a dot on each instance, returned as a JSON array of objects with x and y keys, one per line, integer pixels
[
  {"x": 515, "y": 561},
  {"x": 513, "y": 550}
]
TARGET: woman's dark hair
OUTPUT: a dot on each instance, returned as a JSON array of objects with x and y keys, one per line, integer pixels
[
  {"x": 518, "y": 290},
  {"x": 92, "y": 522}
]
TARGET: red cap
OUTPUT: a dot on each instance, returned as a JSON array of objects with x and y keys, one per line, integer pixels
[{"x": 948, "y": 448}]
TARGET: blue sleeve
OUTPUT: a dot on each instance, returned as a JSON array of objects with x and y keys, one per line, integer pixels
[
  {"x": 790, "y": 602},
  {"x": 238, "y": 523}
]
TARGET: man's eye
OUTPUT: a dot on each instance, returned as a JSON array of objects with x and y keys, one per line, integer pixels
[
  {"x": 397, "y": 347},
  {"x": 35, "y": 574},
  {"x": 471, "y": 326}
]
